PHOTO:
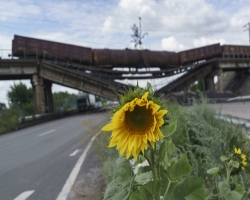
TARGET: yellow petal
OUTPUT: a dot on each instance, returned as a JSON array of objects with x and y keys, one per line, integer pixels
[
  {"x": 123, "y": 149},
  {"x": 161, "y": 113},
  {"x": 113, "y": 142},
  {"x": 128, "y": 154},
  {"x": 122, "y": 140},
  {"x": 244, "y": 163},
  {"x": 243, "y": 156},
  {"x": 108, "y": 127}
]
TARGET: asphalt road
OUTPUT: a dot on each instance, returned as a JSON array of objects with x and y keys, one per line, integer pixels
[{"x": 36, "y": 162}]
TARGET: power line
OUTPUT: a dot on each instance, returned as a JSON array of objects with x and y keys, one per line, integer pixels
[{"x": 247, "y": 26}]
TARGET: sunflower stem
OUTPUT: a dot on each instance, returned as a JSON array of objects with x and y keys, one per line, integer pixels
[{"x": 166, "y": 192}]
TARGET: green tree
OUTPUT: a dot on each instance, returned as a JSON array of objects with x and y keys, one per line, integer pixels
[
  {"x": 2, "y": 106},
  {"x": 21, "y": 97},
  {"x": 19, "y": 94},
  {"x": 64, "y": 99}
]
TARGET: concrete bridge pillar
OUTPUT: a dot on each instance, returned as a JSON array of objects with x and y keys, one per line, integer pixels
[
  {"x": 220, "y": 81},
  {"x": 49, "y": 106},
  {"x": 37, "y": 84},
  {"x": 211, "y": 83}
]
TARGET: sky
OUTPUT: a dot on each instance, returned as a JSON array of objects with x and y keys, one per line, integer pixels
[{"x": 172, "y": 25}]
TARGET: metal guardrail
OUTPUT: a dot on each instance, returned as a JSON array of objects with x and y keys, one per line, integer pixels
[
  {"x": 210, "y": 100},
  {"x": 245, "y": 123}
]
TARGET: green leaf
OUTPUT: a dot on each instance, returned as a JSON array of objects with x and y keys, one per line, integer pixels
[
  {"x": 213, "y": 171},
  {"x": 170, "y": 148},
  {"x": 143, "y": 178},
  {"x": 130, "y": 94},
  {"x": 149, "y": 88},
  {"x": 119, "y": 187},
  {"x": 224, "y": 158},
  {"x": 137, "y": 90},
  {"x": 180, "y": 169},
  {"x": 234, "y": 163},
  {"x": 228, "y": 194},
  {"x": 162, "y": 151},
  {"x": 170, "y": 129},
  {"x": 146, "y": 192},
  {"x": 122, "y": 99},
  {"x": 121, "y": 161},
  {"x": 192, "y": 188}
]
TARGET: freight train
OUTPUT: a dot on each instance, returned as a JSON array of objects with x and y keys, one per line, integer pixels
[{"x": 108, "y": 58}]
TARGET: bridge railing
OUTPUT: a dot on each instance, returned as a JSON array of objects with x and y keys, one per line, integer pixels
[{"x": 84, "y": 70}]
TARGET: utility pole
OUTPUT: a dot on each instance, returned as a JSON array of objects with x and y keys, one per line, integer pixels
[
  {"x": 247, "y": 26},
  {"x": 137, "y": 36}
]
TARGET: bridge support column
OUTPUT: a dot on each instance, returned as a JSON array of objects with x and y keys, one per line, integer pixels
[
  {"x": 49, "y": 106},
  {"x": 220, "y": 80},
  {"x": 211, "y": 83},
  {"x": 37, "y": 84}
]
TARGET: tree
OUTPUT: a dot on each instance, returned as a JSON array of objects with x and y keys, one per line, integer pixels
[
  {"x": 65, "y": 100},
  {"x": 2, "y": 106},
  {"x": 19, "y": 94},
  {"x": 20, "y": 97}
]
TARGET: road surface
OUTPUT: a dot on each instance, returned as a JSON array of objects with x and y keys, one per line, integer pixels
[{"x": 36, "y": 162}]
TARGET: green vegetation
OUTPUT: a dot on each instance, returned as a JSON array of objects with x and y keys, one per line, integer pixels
[
  {"x": 2, "y": 106},
  {"x": 197, "y": 86},
  {"x": 21, "y": 104},
  {"x": 208, "y": 143},
  {"x": 64, "y": 99}
]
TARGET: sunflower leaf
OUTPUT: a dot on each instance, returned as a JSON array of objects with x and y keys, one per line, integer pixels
[
  {"x": 213, "y": 171},
  {"x": 146, "y": 192},
  {"x": 119, "y": 187},
  {"x": 143, "y": 178},
  {"x": 191, "y": 188},
  {"x": 228, "y": 194},
  {"x": 170, "y": 129},
  {"x": 234, "y": 163},
  {"x": 121, "y": 160},
  {"x": 180, "y": 169}
]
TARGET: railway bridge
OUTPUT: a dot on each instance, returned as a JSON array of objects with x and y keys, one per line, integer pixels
[{"x": 94, "y": 70}]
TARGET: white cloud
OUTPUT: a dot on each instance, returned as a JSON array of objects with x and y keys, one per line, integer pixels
[
  {"x": 171, "y": 44},
  {"x": 203, "y": 41}
]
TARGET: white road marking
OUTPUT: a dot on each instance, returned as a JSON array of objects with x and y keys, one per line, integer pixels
[
  {"x": 24, "y": 195},
  {"x": 42, "y": 134},
  {"x": 72, "y": 177},
  {"x": 75, "y": 152}
]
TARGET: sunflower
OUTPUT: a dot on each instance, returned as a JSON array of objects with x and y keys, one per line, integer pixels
[
  {"x": 242, "y": 156},
  {"x": 237, "y": 151},
  {"x": 135, "y": 124}
]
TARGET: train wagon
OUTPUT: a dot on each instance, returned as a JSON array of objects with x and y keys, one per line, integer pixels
[
  {"x": 134, "y": 58},
  {"x": 25, "y": 46},
  {"x": 236, "y": 51},
  {"x": 201, "y": 53}
]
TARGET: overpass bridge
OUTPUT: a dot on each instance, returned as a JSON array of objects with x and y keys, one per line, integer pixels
[
  {"x": 43, "y": 73},
  {"x": 94, "y": 70}
]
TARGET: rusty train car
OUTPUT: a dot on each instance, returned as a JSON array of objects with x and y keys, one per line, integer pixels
[
  {"x": 236, "y": 51},
  {"x": 135, "y": 58},
  {"x": 201, "y": 53},
  {"x": 22, "y": 46},
  {"x": 36, "y": 47}
]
